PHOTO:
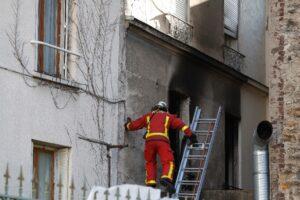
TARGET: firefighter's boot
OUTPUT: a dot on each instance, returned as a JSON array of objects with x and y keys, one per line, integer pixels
[{"x": 168, "y": 184}]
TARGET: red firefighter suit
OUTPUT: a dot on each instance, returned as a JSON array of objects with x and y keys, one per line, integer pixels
[{"x": 157, "y": 124}]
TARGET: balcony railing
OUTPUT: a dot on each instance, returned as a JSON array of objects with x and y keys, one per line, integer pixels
[
  {"x": 233, "y": 58},
  {"x": 179, "y": 29}
]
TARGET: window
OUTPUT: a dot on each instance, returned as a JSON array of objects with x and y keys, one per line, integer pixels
[
  {"x": 51, "y": 171},
  {"x": 52, "y": 31},
  {"x": 181, "y": 10},
  {"x": 231, "y": 17},
  {"x": 43, "y": 173}
]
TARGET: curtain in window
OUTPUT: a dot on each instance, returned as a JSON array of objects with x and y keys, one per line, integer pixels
[
  {"x": 45, "y": 175},
  {"x": 50, "y": 12},
  {"x": 231, "y": 14}
]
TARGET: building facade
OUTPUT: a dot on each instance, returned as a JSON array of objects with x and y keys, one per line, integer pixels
[
  {"x": 73, "y": 68},
  {"x": 282, "y": 57}
]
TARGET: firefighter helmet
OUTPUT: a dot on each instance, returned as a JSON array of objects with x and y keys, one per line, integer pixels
[{"x": 161, "y": 105}]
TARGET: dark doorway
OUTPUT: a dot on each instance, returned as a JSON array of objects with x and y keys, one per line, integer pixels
[
  {"x": 231, "y": 151},
  {"x": 176, "y": 101}
]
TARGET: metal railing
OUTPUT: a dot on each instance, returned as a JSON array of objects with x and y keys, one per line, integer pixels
[
  {"x": 233, "y": 58},
  {"x": 82, "y": 192},
  {"x": 179, "y": 29}
]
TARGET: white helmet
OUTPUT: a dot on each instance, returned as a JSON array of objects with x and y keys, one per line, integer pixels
[{"x": 162, "y": 105}]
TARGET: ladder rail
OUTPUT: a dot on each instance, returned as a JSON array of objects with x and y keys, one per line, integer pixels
[
  {"x": 216, "y": 126},
  {"x": 183, "y": 163}
]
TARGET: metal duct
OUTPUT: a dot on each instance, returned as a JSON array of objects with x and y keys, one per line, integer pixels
[{"x": 261, "y": 175}]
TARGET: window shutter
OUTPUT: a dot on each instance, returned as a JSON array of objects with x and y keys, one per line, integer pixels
[
  {"x": 231, "y": 15},
  {"x": 181, "y": 9}
]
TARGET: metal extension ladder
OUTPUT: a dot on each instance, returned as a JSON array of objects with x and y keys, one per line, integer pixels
[{"x": 191, "y": 174}]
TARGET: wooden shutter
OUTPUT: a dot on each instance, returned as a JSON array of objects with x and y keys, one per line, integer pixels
[{"x": 231, "y": 16}]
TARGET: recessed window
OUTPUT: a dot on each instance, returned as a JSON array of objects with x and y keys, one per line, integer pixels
[
  {"x": 51, "y": 30},
  {"x": 231, "y": 17},
  {"x": 51, "y": 171},
  {"x": 43, "y": 169}
]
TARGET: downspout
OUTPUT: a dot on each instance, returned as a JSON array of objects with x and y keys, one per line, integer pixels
[{"x": 261, "y": 175}]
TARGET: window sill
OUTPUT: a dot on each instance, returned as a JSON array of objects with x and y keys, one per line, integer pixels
[{"x": 67, "y": 83}]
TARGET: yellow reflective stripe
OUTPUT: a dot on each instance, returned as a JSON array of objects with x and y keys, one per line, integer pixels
[
  {"x": 156, "y": 134},
  {"x": 170, "y": 174},
  {"x": 151, "y": 182},
  {"x": 184, "y": 128},
  {"x": 166, "y": 125},
  {"x": 148, "y": 124}
]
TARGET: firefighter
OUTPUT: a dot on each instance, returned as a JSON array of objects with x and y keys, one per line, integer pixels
[{"x": 157, "y": 124}]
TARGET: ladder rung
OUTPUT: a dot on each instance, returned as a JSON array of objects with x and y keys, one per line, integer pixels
[
  {"x": 192, "y": 170},
  {"x": 188, "y": 182},
  {"x": 200, "y": 146},
  {"x": 207, "y": 119},
  {"x": 202, "y": 131},
  {"x": 201, "y": 121},
  {"x": 195, "y": 156},
  {"x": 186, "y": 194}
]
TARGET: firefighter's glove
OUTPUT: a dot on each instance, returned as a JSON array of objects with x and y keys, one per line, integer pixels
[
  {"x": 127, "y": 122},
  {"x": 193, "y": 139}
]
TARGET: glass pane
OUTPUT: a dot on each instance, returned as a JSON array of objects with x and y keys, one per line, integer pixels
[
  {"x": 50, "y": 12},
  {"x": 45, "y": 175}
]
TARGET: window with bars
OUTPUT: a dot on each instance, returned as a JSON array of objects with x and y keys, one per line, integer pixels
[
  {"x": 52, "y": 37},
  {"x": 231, "y": 17}
]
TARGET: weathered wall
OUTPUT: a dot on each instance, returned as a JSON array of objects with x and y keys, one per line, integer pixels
[
  {"x": 152, "y": 71},
  {"x": 251, "y": 38},
  {"x": 253, "y": 110},
  {"x": 283, "y": 61},
  {"x": 207, "y": 16},
  {"x": 32, "y": 113}
]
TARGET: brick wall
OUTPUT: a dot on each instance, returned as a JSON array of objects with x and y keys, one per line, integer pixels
[{"x": 283, "y": 63}]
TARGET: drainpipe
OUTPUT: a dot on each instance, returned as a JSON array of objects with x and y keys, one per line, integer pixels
[{"x": 261, "y": 175}]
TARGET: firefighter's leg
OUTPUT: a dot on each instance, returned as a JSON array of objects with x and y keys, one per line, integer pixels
[
  {"x": 167, "y": 160},
  {"x": 151, "y": 164}
]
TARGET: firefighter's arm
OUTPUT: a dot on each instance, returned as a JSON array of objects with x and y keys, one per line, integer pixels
[
  {"x": 136, "y": 124},
  {"x": 177, "y": 123}
]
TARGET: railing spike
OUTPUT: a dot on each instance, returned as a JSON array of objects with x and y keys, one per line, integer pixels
[
  {"x": 72, "y": 188},
  {"x": 6, "y": 176},
  {"x": 138, "y": 195},
  {"x": 60, "y": 186},
  {"x": 95, "y": 195},
  {"x": 148, "y": 195},
  {"x": 21, "y": 179},
  {"x": 118, "y": 195},
  {"x": 128, "y": 197},
  {"x": 106, "y": 194},
  {"x": 84, "y": 190}
]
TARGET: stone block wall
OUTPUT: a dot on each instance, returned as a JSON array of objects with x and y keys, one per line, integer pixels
[{"x": 283, "y": 64}]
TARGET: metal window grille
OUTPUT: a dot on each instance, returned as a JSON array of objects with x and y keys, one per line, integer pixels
[
  {"x": 231, "y": 17},
  {"x": 233, "y": 58}
]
